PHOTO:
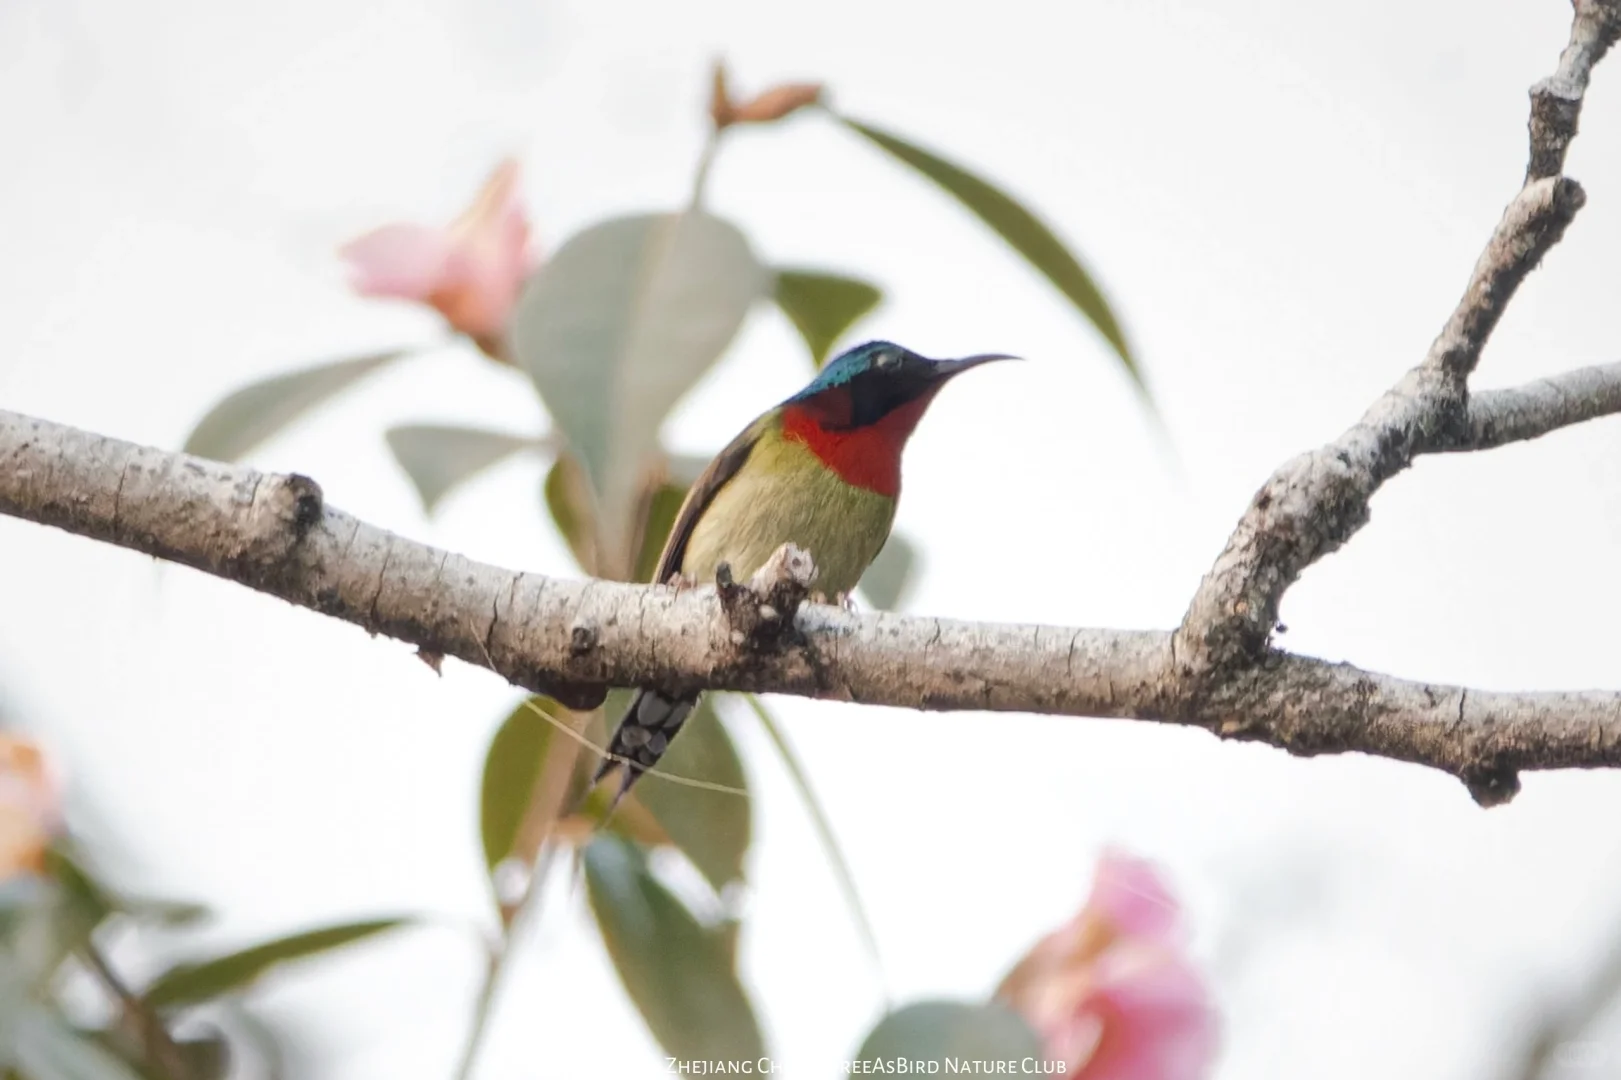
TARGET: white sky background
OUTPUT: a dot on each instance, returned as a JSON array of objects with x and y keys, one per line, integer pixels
[{"x": 1283, "y": 201}]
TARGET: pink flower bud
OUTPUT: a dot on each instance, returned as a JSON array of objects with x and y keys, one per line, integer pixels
[
  {"x": 1110, "y": 992},
  {"x": 471, "y": 271}
]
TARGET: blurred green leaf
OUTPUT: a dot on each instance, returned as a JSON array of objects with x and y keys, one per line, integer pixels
[
  {"x": 1020, "y": 228},
  {"x": 95, "y": 901},
  {"x": 824, "y": 828},
  {"x": 684, "y": 469},
  {"x": 437, "y": 457},
  {"x": 250, "y": 415},
  {"x": 823, "y": 306},
  {"x": 568, "y": 497},
  {"x": 676, "y": 970},
  {"x": 512, "y": 768},
  {"x": 170, "y": 913},
  {"x": 82, "y": 904},
  {"x": 41, "y": 1044},
  {"x": 616, "y": 326},
  {"x": 890, "y": 576},
  {"x": 663, "y": 504},
  {"x": 188, "y": 984},
  {"x": 938, "y": 1030},
  {"x": 712, "y": 828}
]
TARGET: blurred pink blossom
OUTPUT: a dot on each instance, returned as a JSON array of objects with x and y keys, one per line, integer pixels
[
  {"x": 30, "y": 807},
  {"x": 471, "y": 271},
  {"x": 1110, "y": 992}
]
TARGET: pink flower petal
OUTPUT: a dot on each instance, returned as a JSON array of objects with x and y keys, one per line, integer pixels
[
  {"x": 1109, "y": 992},
  {"x": 472, "y": 271},
  {"x": 1155, "y": 1023},
  {"x": 1128, "y": 892},
  {"x": 407, "y": 261},
  {"x": 30, "y": 807}
]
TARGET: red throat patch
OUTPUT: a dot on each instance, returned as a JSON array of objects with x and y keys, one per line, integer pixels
[{"x": 867, "y": 457}]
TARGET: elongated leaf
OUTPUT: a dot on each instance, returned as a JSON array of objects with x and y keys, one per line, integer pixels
[
  {"x": 250, "y": 415},
  {"x": 663, "y": 504},
  {"x": 188, "y": 984},
  {"x": 95, "y": 901},
  {"x": 684, "y": 469},
  {"x": 512, "y": 768},
  {"x": 824, "y": 827},
  {"x": 887, "y": 580},
  {"x": 677, "y": 971},
  {"x": 437, "y": 457},
  {"x": 622, "y": 320},
  {"x": 712, "y": 828},
  {"x": 823, "y": 306},
  {"x": 568, "y": 498},
  {"x": 935, "y": 1031},
  {"x": 1019, "y": 227},
  {"x": 82, "y": 904},
  {"x": 174, "y": 914}
]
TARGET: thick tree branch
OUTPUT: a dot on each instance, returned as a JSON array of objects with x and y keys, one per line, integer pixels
[
  {"x": 1217, "y": 670},
  {"x": 273, "y": 533},
  {"x": 1317, "y": 501},
  {"x": 1556, "y": 102},
  {"x": 1497, "y": 417}
]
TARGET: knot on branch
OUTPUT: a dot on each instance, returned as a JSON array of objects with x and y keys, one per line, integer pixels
[
  {"x": 760, "y": 614},
  {"x": 1490, "y": 784},
  {"x": 285, "y": 509}
]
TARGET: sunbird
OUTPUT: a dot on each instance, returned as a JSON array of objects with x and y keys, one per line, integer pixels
[{"x": 822, "y": 471}]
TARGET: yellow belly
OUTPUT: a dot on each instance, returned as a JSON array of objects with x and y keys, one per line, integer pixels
[{"x": 784, "y": 495}]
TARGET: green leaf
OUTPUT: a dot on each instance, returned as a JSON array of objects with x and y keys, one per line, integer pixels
[
  {"x": 662, "y": 507},
  {"x": 437, "y": 457},
  {"x": 676, "y": 970},
  {"x": 250, "y": 415},
  {"x": 42, "y": 1045},
  {"x": 684, "y": 469},
  {"x": 823, "y": 306},
  {"x": 712, "y": 828},
  {"x": 95, "y": 902},
  {"x": 887, "y": 580},
  {"x": 1020, "y": 228},
  {"x": 824, "y": 828},
  {"x": 188, "y": 984},
  {"x": 568, "y": 497},
  {"x": 512, "y": 768},
  {"x": 83, "y": 904},
  {"x": 941, "y": 1030},
  {"x": 174, "y": 914},
  {"x": 618, "y": 324}
]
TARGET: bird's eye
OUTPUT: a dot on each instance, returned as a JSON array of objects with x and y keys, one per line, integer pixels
[{"x": 887, "y": 360}]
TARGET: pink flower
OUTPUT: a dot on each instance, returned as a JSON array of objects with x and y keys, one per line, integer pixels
[
  {"x": 29, "y": 807},
  {"x": 471, "y": 271},
  {"x": 1110, "y": 993}
]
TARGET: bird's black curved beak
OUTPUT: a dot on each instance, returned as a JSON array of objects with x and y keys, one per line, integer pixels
[{"x": 945, "y": 369}]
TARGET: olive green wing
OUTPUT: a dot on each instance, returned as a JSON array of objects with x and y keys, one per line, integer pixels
[{"x": 726, "y": 465}]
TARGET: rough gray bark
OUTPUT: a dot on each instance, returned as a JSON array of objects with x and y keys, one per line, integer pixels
[{"x": 1218, "y": 670}]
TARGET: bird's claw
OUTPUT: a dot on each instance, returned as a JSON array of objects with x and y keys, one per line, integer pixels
[{"x": 681, "y": 582}]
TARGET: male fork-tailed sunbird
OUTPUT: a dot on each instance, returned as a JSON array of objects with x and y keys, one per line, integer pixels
[{"x": 822, "y": 471}]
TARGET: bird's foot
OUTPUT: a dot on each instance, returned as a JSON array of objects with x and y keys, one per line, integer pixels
[
  {"x": 840, "y": 600},
  {"x": 681, "y": 582}
]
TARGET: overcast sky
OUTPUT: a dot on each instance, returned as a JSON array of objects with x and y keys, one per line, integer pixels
[{"x": 1283, "y": 200}]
